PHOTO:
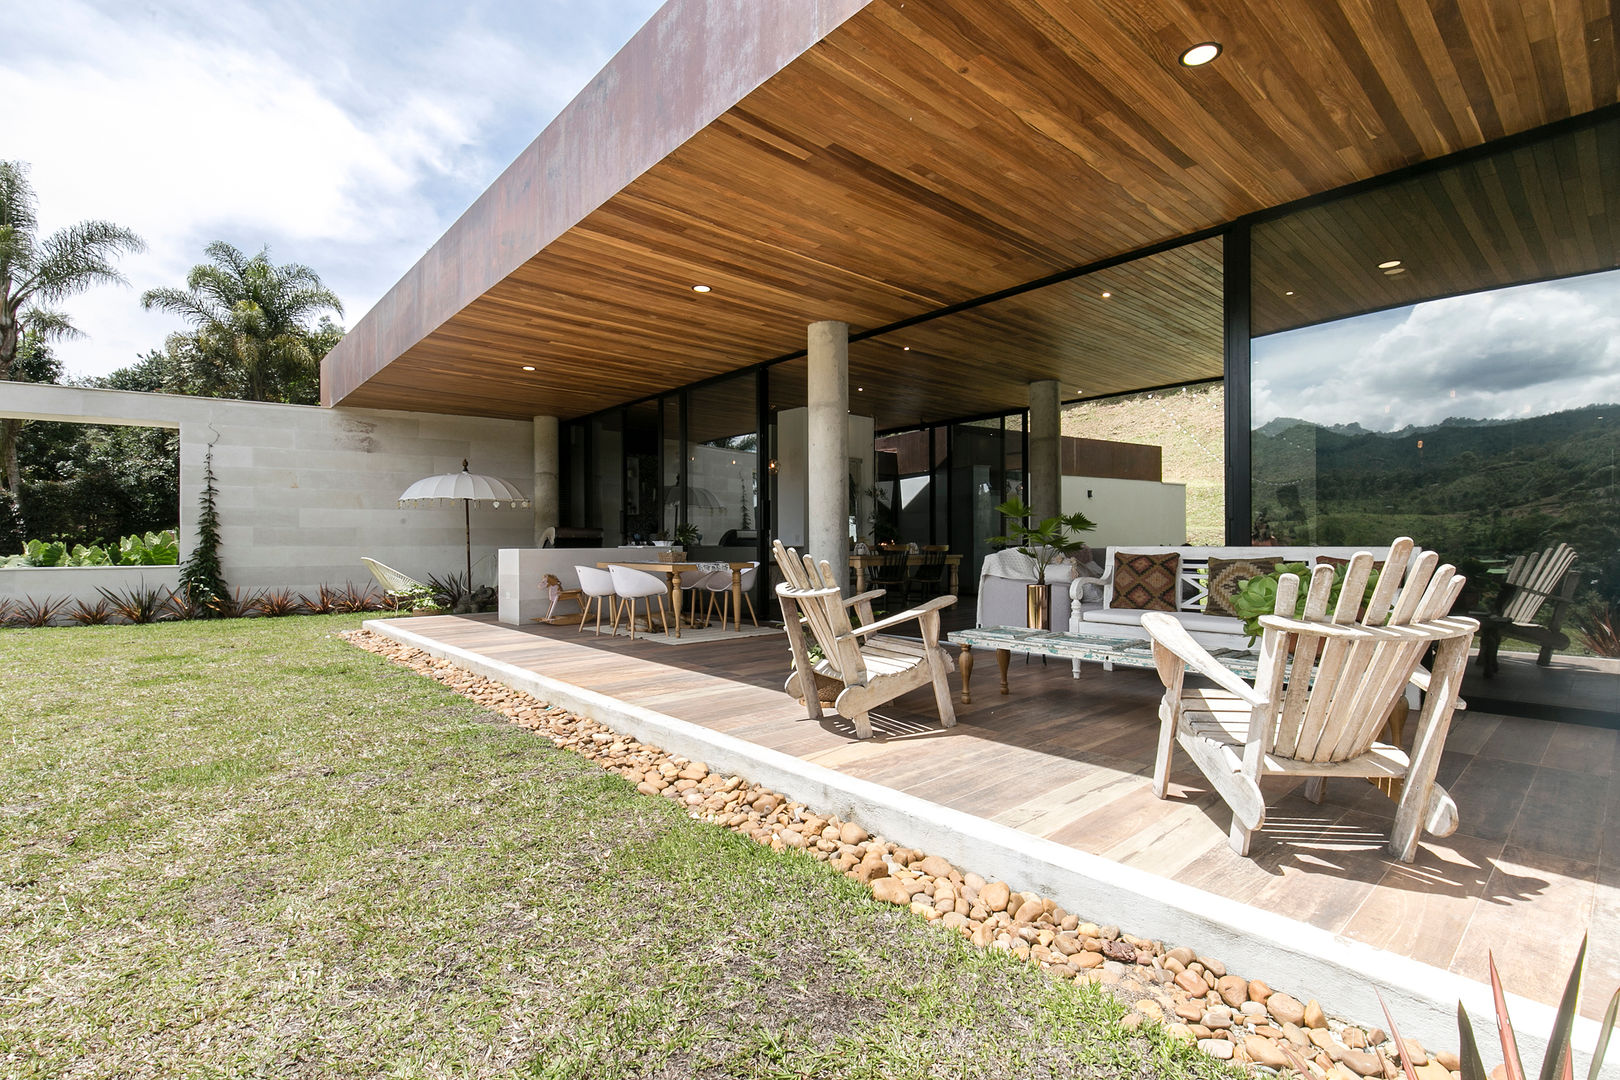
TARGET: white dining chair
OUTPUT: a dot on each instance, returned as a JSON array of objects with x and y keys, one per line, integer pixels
[
  {"x": 718, "y": 585},
  {"x": 691, "y": 584},
  {"x": 597, "y": 585},
  {"x": 632, "y": 585}
]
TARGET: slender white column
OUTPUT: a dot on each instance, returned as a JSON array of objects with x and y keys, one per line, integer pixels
[
  {"x": 1045, "y": 464},
  {"x": 547, "y": 479},
  {"x": 828, "y": 400}
]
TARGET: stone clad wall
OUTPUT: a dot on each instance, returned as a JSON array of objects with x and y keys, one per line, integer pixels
[{"x": 304, "y": 492}]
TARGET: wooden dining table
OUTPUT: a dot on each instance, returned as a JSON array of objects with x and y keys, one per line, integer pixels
[
  {"x": 860, "y": 563},
  {"x": 675, "y": 569}
]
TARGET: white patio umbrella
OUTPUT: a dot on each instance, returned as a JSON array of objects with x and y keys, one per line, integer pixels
[{"x": 467, "y": 488}]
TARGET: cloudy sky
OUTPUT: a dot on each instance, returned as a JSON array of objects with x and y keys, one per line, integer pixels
[
  {"x": 1522, "y": 351},
  {"x": 346, "y": 136}
]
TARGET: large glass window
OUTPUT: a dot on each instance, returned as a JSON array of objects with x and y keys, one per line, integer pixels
[
  {"x": 1440, "y": 358},
  {"x": 723, "y": 466}
]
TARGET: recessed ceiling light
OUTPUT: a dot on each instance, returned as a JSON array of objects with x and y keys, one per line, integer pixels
[
  {"x": 860, "y": 389},
  {"x": 1389, "y": 264},
  {"x": 1201, "y": 54},
  {"x": 905, "y": 348},
  {"x": 1392, "y": 271},
  {"x": 1290, "y": 292},
  {"x": 1106, "y": 295},
  {"x": 528, "y": 367},
  {"x": 701, "y": 288}
]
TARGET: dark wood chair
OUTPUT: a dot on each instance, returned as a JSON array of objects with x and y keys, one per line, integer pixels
[
  {"x": 890, "y": 573},
  {"x": 1533, "y": 581},
  {"x": 926, "y": 576}
]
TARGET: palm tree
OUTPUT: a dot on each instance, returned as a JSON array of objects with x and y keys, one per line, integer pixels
[
  {"x": 250, "y": 318},
  {"x": 36, "y": 273}
]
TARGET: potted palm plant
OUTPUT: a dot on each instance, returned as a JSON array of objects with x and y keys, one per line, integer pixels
[{"x": 1040, "y": 542}]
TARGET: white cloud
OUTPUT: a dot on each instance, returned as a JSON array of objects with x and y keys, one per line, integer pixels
[
  {"x": 1522, "y": 351},
  {"x": 345, "y": 137}
]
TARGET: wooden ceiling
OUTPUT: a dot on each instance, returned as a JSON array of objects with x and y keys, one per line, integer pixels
[
  {"x": 924, "y": 154},
  {"x": 1486, "y": 223}
]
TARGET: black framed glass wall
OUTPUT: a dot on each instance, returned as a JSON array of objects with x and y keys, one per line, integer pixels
[{"x": 1439, "y": 357}]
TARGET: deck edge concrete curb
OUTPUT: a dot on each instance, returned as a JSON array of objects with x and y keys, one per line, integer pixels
[{"x": 1287, "y": 953}]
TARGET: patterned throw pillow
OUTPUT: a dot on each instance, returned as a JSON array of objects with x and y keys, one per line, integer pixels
[
  {"x": 1144, "y": 582},
  {"x": 1226, "y": 576}
]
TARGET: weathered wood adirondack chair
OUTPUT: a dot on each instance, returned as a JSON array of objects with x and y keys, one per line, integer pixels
[
  {"x": 1532, "y": 580},
  {"x": 1324, "y": 689},
  {"x": 865, "y": 666}
]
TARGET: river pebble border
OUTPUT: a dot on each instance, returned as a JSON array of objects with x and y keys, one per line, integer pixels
[{"x": 1194, "y": 997}]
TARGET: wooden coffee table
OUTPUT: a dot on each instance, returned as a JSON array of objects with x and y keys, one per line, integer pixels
[{"x": 1110, "y": 652}]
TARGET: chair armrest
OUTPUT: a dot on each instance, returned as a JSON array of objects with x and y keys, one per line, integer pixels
[
  {"x": 1077, "y": 585},
  {"x": 865, "y": 597},
  {"x": 1420, "y": 679},
  {"x": 905, "y": 616},
  {"x": 1169, "y": 633}
]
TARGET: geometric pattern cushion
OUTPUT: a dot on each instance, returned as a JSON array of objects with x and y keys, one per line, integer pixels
[
  {"x": 1226, "y": 576},
  {"x": 1147, "y": 582}
]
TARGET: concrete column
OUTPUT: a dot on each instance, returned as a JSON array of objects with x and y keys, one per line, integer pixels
[
  {"x": 1045, "y": 465},
  {"x": 828, "y": 399},
  {"x": 547, "y": 476}
]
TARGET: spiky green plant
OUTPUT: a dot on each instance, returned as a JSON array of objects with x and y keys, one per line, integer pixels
[
  {"x": 1559, "y": 1061},
  {"x": 37, "y": 613},
  {"x": 140, "y": 604},
  {"x": 87, "y": 614},
  {"x": 274, "y": 603}
]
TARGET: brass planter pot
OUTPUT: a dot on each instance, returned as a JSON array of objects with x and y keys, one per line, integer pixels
[{"x": 1036, "y": 597}]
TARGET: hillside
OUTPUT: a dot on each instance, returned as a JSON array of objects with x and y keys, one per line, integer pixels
[{"x": 1189, "y": 424}]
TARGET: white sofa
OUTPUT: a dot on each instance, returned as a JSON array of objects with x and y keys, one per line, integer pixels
[{"x": 1090, "y": 597}]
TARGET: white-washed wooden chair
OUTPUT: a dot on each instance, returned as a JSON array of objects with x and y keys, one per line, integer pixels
[
  {"x": 1531, "y": 581},
  {"x": 1325, "y": 686},
  {"x": 867, "y": 665}
]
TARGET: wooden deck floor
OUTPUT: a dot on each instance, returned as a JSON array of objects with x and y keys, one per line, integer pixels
[{"x": 1536, "y": 862}]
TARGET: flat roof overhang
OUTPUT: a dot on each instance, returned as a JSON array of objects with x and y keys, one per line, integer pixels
[{"x": 874, "y": 161}]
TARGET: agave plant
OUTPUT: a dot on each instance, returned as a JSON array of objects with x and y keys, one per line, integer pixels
[
  {"x": 140, "y": 604},
  {"x": 87, "y": 614},
  {"x": 1559, "y": 1064},
  {"x": 37, "y": 613},
  {"x": 242, "y": 603},
  {"x": 350, "y": 599},
  {"x": 1598, "y": 627},
  {"x": 274, "y": 603},
  {"x": 324, "y": 602}
]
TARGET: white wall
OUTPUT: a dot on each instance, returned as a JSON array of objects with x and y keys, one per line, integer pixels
[
  {"x": 1128, "y": 511},
  {"x": 793, "y": 472},
  {"x": 304, "y": 492},
  {"x": 74, "y": 583}
]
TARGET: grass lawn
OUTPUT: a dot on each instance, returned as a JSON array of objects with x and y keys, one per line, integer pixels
[{"x": 247, "y": 848}]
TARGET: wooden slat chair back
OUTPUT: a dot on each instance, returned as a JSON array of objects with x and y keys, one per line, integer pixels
[
  {"x": 1531, "y": 581},
  {"x": 859, "y": 664},
  {"x": 1325, "y": 687}
]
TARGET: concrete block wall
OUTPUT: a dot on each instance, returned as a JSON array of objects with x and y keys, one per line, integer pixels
[
  {"x": 1128, "y": 511},
  {"x": 304, "y": 491}
]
